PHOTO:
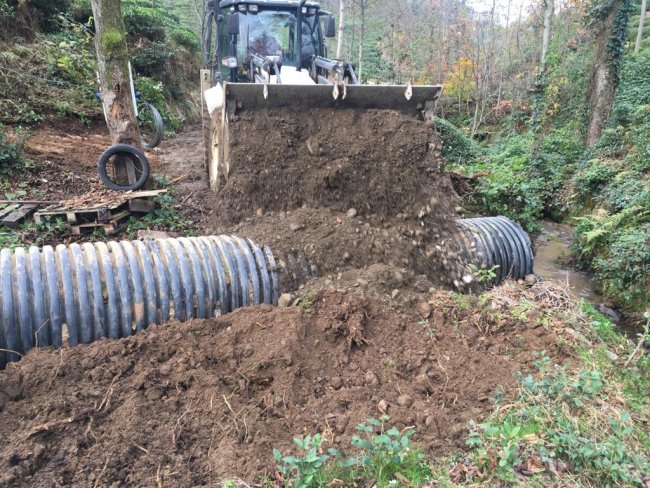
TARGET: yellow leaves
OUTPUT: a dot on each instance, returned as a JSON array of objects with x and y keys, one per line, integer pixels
[{"x": 461, "y": 80}]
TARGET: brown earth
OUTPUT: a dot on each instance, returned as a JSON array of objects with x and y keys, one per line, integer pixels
[
  {"x": 337, "y": 189},
  {"x": 191, "y": 404},
  {"x": 383, "y": 167},
  {"x": 376, "y": 161}
]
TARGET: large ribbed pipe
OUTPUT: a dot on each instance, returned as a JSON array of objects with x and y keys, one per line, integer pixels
[
  {"x": 117, "y": 289},
  {"x": 497, "y": 241}
]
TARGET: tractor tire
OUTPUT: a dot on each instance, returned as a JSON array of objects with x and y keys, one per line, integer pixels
[
  {"x": 158, "y": 127},
  {"x": 137, "y": 158}
]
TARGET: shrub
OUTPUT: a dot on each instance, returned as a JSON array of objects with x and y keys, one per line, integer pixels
[
  {"x": 11, "y": 157},
  {"x": 624, "y": 269},
  {"x": 43, "y": 14},
  {"x": 558, "y": 418},
  {"x": 457, "y": 147}
]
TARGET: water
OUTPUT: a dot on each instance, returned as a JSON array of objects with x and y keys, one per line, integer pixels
[{"x": 551, "y": 247}]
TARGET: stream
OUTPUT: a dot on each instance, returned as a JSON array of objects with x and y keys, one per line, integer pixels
[{"x": 552, "y": 246}]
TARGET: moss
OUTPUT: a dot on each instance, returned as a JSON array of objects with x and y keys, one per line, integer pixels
[{"x": 114, "y": 43}]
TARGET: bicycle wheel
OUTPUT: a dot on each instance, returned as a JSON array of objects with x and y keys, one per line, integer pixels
[
  {"x": 123, "y": 168},
  {"x": 151, "y": 125}
]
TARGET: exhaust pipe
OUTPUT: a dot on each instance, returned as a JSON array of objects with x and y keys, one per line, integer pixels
[{"x": 117, "y": 289}]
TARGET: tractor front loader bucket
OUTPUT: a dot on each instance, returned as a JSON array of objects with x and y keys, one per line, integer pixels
[{"x": 224, "y": 101}]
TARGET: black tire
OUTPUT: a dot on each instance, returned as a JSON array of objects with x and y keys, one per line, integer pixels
[
  {"x": 158, "y": 126},
  {"x": 139, "y": 161}
]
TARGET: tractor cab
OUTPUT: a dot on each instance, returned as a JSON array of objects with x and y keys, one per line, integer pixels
[{"x": 256, "y": 39}]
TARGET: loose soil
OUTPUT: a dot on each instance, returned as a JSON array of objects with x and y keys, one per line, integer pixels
[
  {"x": 361, "y": 216},
  {"x": 189, "y": 404},
  {"x": 337, "y": 189}
]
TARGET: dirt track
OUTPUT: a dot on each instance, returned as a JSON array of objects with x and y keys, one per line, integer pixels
[{"x": 189, "y": 404}]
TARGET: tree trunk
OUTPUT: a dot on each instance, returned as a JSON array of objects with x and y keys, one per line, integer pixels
[
  {"x": 602, "y": 83},
  {"x": 548, "y": 20},
  {"x": 639, "y": 35},
  {"x": 339, "y": 44},
  {"x": 113, "y": 64}
]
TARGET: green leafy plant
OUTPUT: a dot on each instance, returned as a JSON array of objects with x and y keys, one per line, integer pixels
[
  {"x": 11, "y": 153},
  {"x": 165, "y": 218},
  {"x": 384, "y": 452},
  {"x": 484, "y": 275},
  {"x": 301, "y": 471},
  {"x": 557, "y": 416}
]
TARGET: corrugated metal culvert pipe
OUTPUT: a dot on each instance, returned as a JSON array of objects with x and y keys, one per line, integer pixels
[
  {"x": 117, "y": 289},
  {"x": 497, "y": 241}
]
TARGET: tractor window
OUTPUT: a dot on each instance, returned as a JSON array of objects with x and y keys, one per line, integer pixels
[
  {"x": 272, "y": 33},
  {"x": 224, "y": 47}
]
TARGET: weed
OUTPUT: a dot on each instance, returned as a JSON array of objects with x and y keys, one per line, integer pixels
[
  {"x": 556, "y": 417},
  {"x": 385, "y": 457},
  {"x": 307, "y": 301},
  {"x": 11, "y": 154},
  {"x": 302, "y": 471},
  {"x": 165, "y": 218},
  {"x": 484, "y": 275},
  {"x": 386, "y": 452}
]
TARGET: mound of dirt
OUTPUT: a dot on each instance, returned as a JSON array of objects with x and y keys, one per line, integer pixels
[
  {"x": 337, "y": 189},
  {"x": 190, "y": 404},
  {"x": 312, "y": 242}
]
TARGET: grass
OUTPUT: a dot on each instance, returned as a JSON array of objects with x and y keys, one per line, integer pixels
[{"x": 582, "y": 424}]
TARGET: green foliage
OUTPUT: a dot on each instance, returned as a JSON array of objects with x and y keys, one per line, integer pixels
[
  {"x": 597, "y": 12},
  {"x": 386, "y": 453},
  {"x": 624, "y": 269},
  {"x": 11, "y": 154},
  {"x": 525, "y": 178},
  {"x": 44, "y": 14},
  {"x": 153, "y": 92},
  {"x": 458, "y": 148},
  {"x": 71, "y": 54},
  {"x": 556, "y": 417},
  {"x": 385, "y": 456},
  {"x": 507, "y": 189},
  {"x": 7, "y": 13},
  {"x": 55, "y": 74},
  {"x": 610, "y": 188},
  {"x": 302, "y": 471},
  {"x": 165, "y": 218},
  {"x": 635, "y": 73},
  {"x": 8, "y": 239},
  {"x": 484, "y": 275}
]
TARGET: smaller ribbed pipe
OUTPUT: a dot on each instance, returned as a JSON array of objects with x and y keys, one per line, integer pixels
[
  {"x": 117, "y": 289},
  {"x": 497, "y": 241}
]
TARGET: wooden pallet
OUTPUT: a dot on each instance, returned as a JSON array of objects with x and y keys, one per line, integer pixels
[
  {"x": 12, "y": 214},
  {"x": 111, "y": 217},
  {"x": 114, "y": 226}
]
